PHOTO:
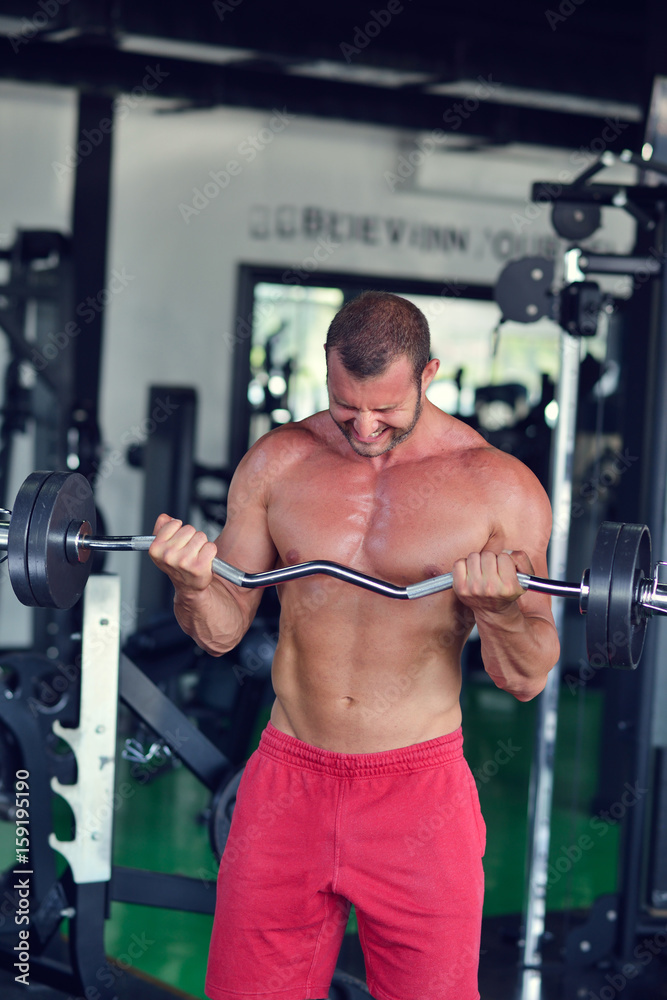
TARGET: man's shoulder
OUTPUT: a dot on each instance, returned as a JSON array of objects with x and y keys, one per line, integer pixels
[
  {"x": 485, "y": 463},
  {"x": 458, "y": 442},
  {"x": 506, "y": 487},
  {"x": 282, "y": 446},
  {"x": 503, "y": 467}
]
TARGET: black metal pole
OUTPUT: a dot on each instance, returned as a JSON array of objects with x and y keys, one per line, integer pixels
[{"x": 90, "y": 228}]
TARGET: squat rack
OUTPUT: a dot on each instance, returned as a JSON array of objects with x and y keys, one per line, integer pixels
[{"x": 612, "y": 928}]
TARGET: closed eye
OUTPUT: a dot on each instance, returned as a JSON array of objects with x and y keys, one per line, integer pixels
[{"x": 353, "y": 409}]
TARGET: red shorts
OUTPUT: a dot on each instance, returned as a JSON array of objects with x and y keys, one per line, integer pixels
[{"x": 397, "y": 833}]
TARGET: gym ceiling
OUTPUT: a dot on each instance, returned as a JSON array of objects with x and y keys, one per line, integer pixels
[{"x": 559, "y": 68}]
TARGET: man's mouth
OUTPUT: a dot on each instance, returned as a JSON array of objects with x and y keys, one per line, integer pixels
[{"x": 372, "y": 438}]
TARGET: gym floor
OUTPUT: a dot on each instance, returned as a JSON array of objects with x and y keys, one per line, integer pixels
[{"x": 163, "y": 828}]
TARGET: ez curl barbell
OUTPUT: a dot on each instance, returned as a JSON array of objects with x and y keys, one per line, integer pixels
[{"x": 51, "y": 534}]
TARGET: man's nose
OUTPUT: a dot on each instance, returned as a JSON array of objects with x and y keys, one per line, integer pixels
[{"x": 366, "y": 423}]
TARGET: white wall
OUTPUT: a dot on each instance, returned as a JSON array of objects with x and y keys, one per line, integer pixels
[{"x": 172, "y": 318}]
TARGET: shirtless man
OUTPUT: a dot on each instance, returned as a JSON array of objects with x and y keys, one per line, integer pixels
[{"x": 359, "y": 792}]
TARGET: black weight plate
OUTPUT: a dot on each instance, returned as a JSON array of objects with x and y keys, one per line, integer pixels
[
  {"x": 575, "y": 221},
  {"x": 222, "y": 811},
  {"x": 17, "y": 540},
  {"x": 626, "y": 627},
  {"x": 63, "y": 498},
  {"x": 597, "y": 608},
  {"x": 523, "y": 289}
]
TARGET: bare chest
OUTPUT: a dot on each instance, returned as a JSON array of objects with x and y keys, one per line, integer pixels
[{"x": 402, "y": 524}]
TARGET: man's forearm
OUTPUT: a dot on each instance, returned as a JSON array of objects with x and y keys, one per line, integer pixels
[
  {"x": 518, "y": 651},
  {"x": 211, "y": 617}
]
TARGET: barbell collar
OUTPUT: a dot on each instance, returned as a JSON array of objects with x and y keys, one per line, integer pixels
[
  {"x": 75, "y": 550},
  {"x": 584, "y": 592},
  {"x": 652, "y": 596}
]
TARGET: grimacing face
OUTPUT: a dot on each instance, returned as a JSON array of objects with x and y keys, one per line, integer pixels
[{"x": 374, "y": 414}]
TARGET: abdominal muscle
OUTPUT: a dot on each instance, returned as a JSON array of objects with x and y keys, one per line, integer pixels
[{"x": 366, "y": 675}]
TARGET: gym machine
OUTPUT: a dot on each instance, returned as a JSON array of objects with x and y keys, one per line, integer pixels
[{"x": 525, "y": 293}]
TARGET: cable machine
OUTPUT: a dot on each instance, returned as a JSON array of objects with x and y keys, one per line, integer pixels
[{"x": 615, "y": 922}]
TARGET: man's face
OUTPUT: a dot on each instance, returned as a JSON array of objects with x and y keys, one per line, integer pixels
[{"x": 374, "y": 414}]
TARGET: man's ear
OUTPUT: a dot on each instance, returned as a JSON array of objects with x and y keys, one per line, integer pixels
[{"x": 429, "y": 373}]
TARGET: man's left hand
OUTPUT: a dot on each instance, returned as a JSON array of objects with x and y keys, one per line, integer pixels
[{"x": 487, "y": 581}]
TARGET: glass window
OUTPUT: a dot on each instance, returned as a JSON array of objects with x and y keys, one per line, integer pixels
[
  {"x": 476, "y": 355},
  {"x": 501, "y": 379},
  {"x": 287, "y": 366}
]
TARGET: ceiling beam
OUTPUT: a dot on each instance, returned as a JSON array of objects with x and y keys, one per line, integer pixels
[{"x": 104, "y": 69}]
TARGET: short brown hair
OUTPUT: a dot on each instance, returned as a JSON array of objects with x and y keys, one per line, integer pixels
[{"x": 376, "y": 329}]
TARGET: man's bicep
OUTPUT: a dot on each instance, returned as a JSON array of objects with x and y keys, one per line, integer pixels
[
  {"x": 536, "y": 530},
  {"x": 245, "y": 540},
  {"x": 529, "y": 532},
  {"x": 527, "y": 520}
]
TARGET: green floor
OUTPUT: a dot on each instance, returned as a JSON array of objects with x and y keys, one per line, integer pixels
[{"x": 160, "y": 828}]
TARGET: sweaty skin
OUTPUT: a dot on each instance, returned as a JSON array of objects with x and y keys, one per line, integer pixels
[{"x": 388, "y": 484}]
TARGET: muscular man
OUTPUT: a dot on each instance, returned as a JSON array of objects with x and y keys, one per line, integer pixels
[{"x": 359, "y": 792}]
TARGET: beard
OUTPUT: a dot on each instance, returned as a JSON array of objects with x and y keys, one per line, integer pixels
[{"x": 392, "y": 437}]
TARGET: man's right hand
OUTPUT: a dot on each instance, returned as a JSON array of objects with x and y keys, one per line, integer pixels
[{"x": 183, "y": 553}]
